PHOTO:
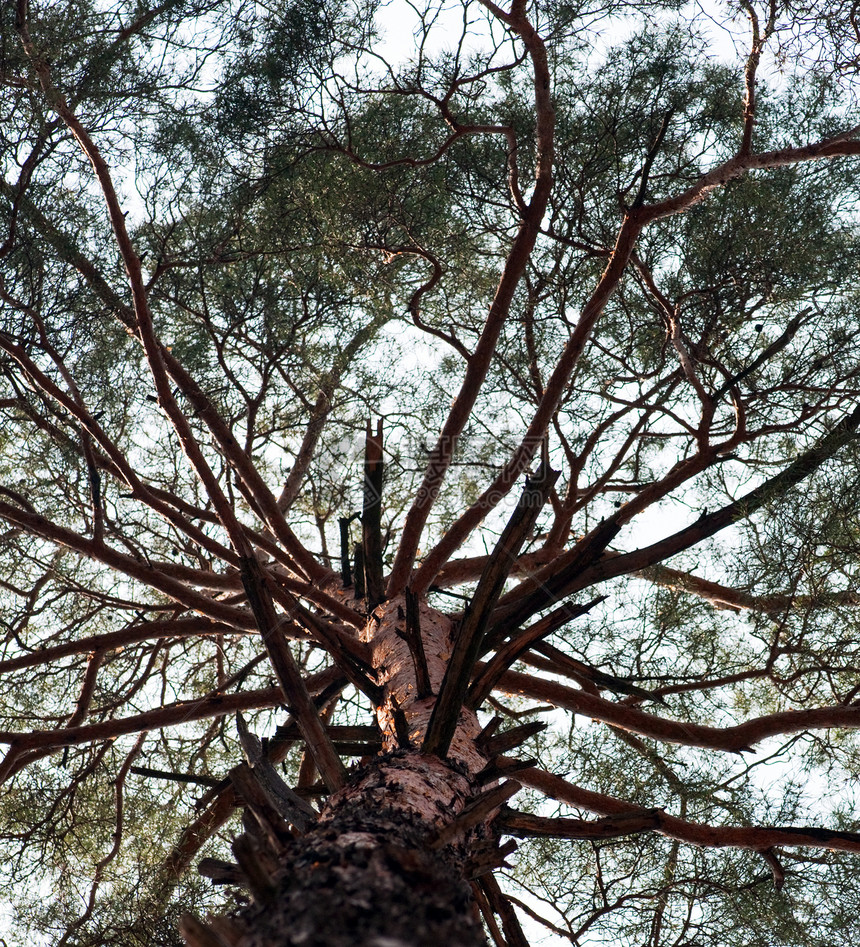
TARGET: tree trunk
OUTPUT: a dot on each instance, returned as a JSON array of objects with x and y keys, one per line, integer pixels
[
  {"x": 373, "y": 870},
  {"x": 365, "y": 875}
]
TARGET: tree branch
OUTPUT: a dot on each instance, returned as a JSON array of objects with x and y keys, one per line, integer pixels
[
  {"x": 452, "y": 693},
  {"x": 753, "y": 838}
]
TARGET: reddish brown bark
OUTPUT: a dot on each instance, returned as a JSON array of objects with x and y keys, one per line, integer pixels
[
  {"x": 388, "y": 861},
  {"x": 366, "y": 873},
  {"x": 401, "y": 836}
]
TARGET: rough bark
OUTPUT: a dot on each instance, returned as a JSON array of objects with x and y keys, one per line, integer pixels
[
  {"x": 367, "y": 873},
  {"x": 389, "y": 862}
]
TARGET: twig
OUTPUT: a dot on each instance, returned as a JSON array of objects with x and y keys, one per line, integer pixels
[
  {"x": 284, "y": 800},
  {"x": 512, "y": 738},
  {"x": 475, "y": 811},
  {"x": 175, "y": 777},
  {"x": 769, "y": 855}
]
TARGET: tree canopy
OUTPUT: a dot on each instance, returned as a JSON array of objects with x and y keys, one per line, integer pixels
[{"x": 524, "y": 334}]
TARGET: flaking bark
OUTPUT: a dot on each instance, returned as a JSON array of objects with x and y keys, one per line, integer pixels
[{"x": 367, "y": 874}]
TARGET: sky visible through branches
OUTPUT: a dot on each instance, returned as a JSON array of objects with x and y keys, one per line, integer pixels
[{"x": 381, "y": 382}]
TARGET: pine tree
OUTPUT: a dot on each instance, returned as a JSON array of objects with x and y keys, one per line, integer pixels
[{"x": 427, "y": 431}]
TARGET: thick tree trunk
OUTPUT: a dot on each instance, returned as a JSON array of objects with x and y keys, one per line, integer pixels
[
  {"x": 373, "y": 872},
  {"x": 366, "y": 875}
]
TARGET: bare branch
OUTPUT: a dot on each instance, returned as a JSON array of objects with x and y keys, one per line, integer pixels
[{"x": 470, "y": 633}]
